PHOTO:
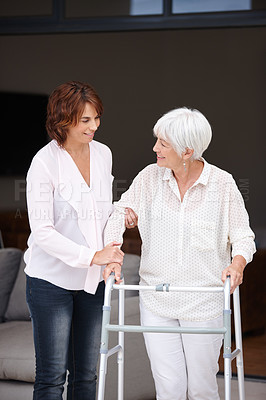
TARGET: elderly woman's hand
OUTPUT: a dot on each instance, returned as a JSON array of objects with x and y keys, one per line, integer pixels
[
  {"x": 235, "y": 270},
  {"x": 131, "y": 218},
  {"x": 113, "y": 267}
]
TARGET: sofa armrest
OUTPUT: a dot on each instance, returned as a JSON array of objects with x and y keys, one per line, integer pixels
[
  {"x": 9, "y": 265},
  {"x": 17, "y": 309}
]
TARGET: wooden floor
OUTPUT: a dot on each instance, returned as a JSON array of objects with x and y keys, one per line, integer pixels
[{"x": 254, "y": 353}]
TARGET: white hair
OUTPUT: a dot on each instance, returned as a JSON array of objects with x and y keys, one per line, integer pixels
[{"x": 184, "y": 128}]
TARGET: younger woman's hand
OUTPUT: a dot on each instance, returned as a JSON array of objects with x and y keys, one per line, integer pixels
[
  {"x": 109, "y": 254},
  {"x": 114, "y": 267}
]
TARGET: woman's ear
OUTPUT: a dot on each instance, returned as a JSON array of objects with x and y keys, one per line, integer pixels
[{"x": 186, "y": 155}]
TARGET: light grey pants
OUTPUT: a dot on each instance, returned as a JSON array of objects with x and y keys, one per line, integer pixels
[{"x": 183, "y": 365}]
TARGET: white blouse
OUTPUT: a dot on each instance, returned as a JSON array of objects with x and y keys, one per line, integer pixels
[
  {"x": 186, "y": 243},
  {"x": 67, "y": 217}
]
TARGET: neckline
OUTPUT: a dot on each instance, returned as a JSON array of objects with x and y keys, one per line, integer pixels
[
  {"x": 203, "y": 178},
  {"x": 77, "y": 169}
]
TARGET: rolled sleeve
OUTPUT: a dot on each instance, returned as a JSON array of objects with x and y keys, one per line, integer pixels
[
  {"x": 241, "y": 236},
  {"x": 115, "y": 227}
]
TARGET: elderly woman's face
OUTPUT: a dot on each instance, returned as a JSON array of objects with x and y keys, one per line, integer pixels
[{"x": 166, "y": 155}]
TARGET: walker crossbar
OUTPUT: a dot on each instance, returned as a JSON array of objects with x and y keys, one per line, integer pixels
[
  {"x": 121, "y": 328},
  {"x": 159, "y": 329},
  {"x": 169, "y": 288}
]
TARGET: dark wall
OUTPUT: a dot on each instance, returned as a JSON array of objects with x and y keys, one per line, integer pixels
[
  {"x": 141, "y": 75},
  {"x": 21, "y": 115}
]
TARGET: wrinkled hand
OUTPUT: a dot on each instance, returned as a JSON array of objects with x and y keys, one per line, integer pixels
[
  {"x": 113, "y": 267},
  {"x": 235, "y": 270},
  {"x": 109, "y": 254},
  {"x": 131, "y": 218}
]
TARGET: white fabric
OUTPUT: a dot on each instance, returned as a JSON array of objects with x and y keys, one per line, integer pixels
[
  {"x": 185, "y": 243},
  {"x": 183, "y": 365},
  {"x": 67, "y": 217}
]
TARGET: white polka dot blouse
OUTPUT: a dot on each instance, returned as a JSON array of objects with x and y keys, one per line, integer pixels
[{"x": 186, "y": 243}]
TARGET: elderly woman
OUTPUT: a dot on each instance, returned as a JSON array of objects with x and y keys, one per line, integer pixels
[
  {"x": 69, "y": 198},
  {"x": 195, "y": 231}
]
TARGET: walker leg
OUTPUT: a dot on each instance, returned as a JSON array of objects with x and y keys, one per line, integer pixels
[
  {"x": 105, "y": 338},
  {"x": 102, "y": 375},
  {"x": 104, "y": 355},
  {"x": 238, "y": 337},
  {"x": 227, "y": 378},
  {"x": 227, "y": 342},
  {"x": 120, "y": 356}
]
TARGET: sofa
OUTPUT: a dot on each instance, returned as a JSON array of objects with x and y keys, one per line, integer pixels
[
  {"x": 16, "y": 342},
  {"x": 16, "y": 339}
]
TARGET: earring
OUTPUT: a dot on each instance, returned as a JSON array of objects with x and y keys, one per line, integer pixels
[{"x": 184, "y": 164}]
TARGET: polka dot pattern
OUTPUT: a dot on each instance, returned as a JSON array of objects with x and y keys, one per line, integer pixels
[{"x": 186, "y": 243}]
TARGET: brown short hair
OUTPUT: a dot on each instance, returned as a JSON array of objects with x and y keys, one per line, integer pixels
[{"x": 66, "y": 105}]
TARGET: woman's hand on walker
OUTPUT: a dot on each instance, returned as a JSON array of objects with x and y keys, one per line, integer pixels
[
  {"x": 235, "y": 270},
  {"x": 109, "y": 254},
  {"x": 113, "y": 267},
  {"x": 131, "y": 218}
]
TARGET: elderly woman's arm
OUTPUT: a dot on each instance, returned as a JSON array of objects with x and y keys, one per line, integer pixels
[
  {"x": 130, "y": 203},
  {"x": 241, "y": 238}
]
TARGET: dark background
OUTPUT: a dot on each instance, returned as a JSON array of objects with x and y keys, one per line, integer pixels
[
  {"x": 140, "y": 75},
  {"x": 22, "y": 141}
]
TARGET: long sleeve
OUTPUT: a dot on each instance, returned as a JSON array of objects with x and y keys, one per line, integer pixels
[
  {"x": 115, "y": 227},
  {"x": 40, "y": 199},
  {"x": 186, "y": 243},
  {"x": 241, "y": 236}
]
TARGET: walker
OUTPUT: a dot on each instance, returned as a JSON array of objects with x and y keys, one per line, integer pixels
[{"x": 228, "y": 355}]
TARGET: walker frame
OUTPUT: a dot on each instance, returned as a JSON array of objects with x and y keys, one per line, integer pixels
[{"x": 121, "y": 328}]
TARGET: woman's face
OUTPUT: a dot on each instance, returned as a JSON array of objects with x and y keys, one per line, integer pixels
[
  {"x": 166, "y": 155},
  {"x": 84, "y": 131}
]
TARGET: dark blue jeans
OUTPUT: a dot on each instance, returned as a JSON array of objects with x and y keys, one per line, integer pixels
[{"x": 67, "y": 331}]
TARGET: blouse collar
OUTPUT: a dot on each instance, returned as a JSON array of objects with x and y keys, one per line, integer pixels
[{"x": 203, "y": 178}]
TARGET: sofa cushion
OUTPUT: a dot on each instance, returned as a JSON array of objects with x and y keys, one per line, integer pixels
[
  {"x": 17, "y": 309},
  {"x": 9, "y": 265},
  {"x": 11, "y": 390},
  {"x": 17, "y": 360}
]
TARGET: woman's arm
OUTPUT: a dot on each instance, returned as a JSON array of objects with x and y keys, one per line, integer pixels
[
  {"x": 131, "y": 199},
  {"x": 241, "y": 238},
  {"x": 129, "y": 204},
  {"x": 40, "y": 198},
  {"x": 131, "y": 220}
]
